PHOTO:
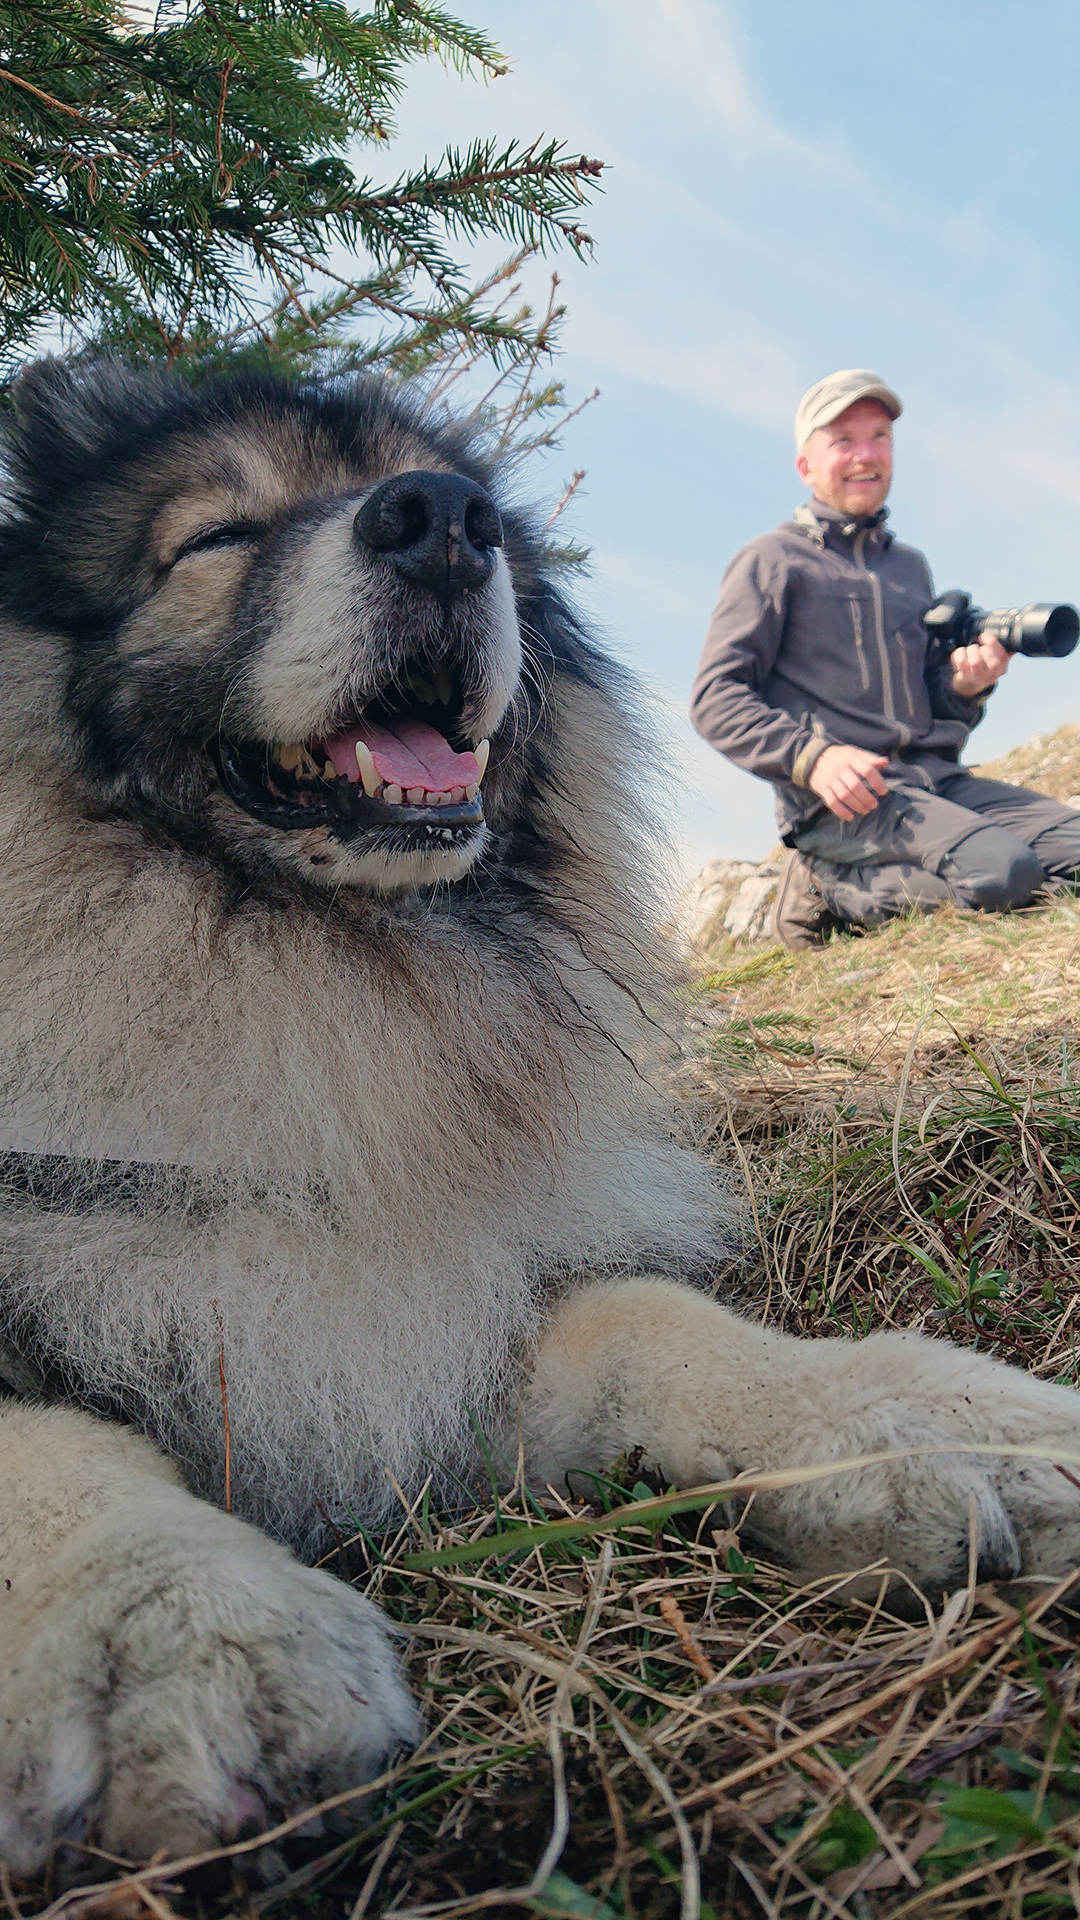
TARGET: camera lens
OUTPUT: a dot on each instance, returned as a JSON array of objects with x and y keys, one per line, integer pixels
[{"x": 1047, "y": 632}]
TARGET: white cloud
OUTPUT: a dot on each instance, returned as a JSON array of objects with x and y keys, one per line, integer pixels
[
  {"x": 661, "y": 593},
  {"x": 720, "y": 359},
  {"x": 693, "y": 48}
]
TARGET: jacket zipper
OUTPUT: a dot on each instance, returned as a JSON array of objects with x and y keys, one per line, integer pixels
[
  {"x": 879, "y": 628},
  {"x": 902, "y": 651},
  {"x": 856, "y": 621}
]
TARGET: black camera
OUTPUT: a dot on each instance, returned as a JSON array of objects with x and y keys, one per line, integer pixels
[{"x": 1041, "y": 631}]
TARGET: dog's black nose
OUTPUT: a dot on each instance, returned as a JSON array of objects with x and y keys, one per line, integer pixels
[{"x": 439, "y": 529}]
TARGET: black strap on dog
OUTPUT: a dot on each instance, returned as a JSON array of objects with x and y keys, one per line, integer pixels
[
  {"x": 62, "y": 1183},
  {"x": 20, "y": 1377}
]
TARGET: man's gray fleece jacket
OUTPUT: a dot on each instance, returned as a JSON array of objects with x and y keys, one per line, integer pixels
[{"x": 817, "y": 640}]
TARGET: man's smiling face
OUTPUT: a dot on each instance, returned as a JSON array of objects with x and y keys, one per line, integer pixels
[{"x": 849, "y": 463}]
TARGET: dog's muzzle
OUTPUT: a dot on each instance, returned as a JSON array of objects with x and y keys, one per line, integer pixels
[{"x": 401, "y": 763}]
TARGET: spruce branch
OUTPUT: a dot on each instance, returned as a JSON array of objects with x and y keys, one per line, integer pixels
[{"x": 189, "y": 190}]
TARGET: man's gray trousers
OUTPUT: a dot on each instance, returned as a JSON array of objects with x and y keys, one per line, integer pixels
[{"x": 943, "y": 836}]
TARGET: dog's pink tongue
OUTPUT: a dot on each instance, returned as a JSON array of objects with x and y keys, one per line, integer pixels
[{"x": 411, "y": 754}]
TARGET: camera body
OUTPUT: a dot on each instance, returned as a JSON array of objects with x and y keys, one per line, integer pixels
[{"x": 1041, "y": 631}]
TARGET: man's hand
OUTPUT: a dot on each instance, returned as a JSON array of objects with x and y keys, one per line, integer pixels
[
  {"x": 849, "y": 780},
  {"x": 977, "y": 667}
]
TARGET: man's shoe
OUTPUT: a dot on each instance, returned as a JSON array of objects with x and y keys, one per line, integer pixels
[{"x": 800, "y": 916}]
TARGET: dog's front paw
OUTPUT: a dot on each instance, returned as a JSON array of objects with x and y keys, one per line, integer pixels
[
  {"x": 648, "y": 1364},
  {"x": 173, "y": 1679},
  {"x": 928, "y": 1512}
]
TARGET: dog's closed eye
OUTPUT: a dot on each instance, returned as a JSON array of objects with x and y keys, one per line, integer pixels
[{"x": 231, "y": 535}]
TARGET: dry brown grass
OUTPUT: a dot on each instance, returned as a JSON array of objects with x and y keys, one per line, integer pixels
[
  {"x": 855, "y": 1004},
  {"x": 1048, "y": 763},
  {"x": 648, "y": 1723},
  {"x": 635, "y": 1716}
]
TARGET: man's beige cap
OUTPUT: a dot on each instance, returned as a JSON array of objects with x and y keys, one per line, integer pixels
[{"x": 831, "y": 397}]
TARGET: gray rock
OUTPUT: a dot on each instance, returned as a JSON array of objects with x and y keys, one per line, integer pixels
[
  {"x": 732, "y": 896},
  {"x": 747, "y": 918},
  {"x": 708, "y": 895}
]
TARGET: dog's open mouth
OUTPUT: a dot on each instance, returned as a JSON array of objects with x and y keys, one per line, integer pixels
[{"x": 401, "y": 762}]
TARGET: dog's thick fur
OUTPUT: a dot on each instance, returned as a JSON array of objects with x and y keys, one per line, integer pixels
[{"x": 366, "y": 1117}]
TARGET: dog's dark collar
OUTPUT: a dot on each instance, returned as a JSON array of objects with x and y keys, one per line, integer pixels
[
  {"x": 66, "y": 1183},
  {"x": 21, "y": 1378}
]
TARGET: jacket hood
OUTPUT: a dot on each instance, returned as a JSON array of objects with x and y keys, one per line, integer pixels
[{"x": 814, "y": 517}]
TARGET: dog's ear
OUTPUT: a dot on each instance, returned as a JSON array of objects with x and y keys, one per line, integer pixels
[{"x": 67, "y": 411}]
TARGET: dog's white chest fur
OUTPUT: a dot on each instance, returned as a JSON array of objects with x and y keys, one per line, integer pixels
[{"x": 376, "y": 1162}]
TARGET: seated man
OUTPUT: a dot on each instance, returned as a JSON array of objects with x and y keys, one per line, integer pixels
[{"x": 818, "y": 674}]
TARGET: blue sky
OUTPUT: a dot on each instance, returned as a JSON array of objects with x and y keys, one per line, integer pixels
[{"x": 794, "y": 188}]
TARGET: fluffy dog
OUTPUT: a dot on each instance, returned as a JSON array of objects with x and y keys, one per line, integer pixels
[{"x": 331, "y": 1019}]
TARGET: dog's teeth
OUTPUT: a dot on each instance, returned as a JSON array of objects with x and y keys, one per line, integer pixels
[
  {"x": 471, "y": 792},
  {"x": 457, "y": 795},
  {"x": 444, "y": 687},
  {"x": 329, "y": 771},
  {"x": 482, "y": 752},
  {"x": 392, "y": 796},
  {"x": 423, "y": 689},
  {"x": 366, "y": 766},
  {"x": 416, "y": 796},
  {"x": 290, "y": 757}
]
